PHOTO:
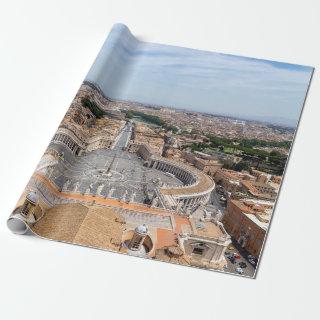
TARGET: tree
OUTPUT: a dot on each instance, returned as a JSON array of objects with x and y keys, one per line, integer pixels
[
  {"x": 129, "y": 114},
  {"x": 93, "y": 107},
  {"x": 242, "y": 165},
  {"x": 275, "y": 153}
]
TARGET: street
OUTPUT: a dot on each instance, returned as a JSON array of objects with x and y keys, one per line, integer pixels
[
  {"x": 231, "y": 267},
  {"x": 123, "y": 137},
  {"x": 215, "y": 200}
]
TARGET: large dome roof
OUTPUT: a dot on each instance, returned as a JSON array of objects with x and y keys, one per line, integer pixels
[
  {"x": 32, "y": 197},
  {"x": 141, "y": 229}
]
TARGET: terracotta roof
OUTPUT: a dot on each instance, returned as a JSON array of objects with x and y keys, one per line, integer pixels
[
  {"x": 94, "y": 226},
  {"x": 61, "y": 222},
  {"x": 206, "y": 229}
]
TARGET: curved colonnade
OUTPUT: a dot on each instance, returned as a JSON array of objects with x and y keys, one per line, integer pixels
[
  {"x": 197, "y": 185},
  {"x": 68, "y": 138}
]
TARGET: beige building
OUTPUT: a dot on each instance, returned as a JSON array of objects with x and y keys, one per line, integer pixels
[
  {"x": 247, "y": 221},
  {"x": 172, "y": 153},
  {"x": 204, "y": 243},
  {"x": 209, "y": 167},
  {"x": 276, "y": 179},
  {"x": 230, "y": 180},
  {"x": 206, "y": 164},
  {"x": 145, "y": 135},
  {"x": 259, "y": 190},
  {"x": 261, "y": 176}
]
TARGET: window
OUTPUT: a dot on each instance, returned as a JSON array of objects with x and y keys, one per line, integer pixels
[
  {"x": 135, "y": 244},
  {"x": 25, "y": 209}
]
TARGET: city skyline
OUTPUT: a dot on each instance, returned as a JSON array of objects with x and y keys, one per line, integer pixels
[{"x": 194, "y": 80}]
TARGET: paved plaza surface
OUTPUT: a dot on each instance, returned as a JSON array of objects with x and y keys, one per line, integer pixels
[{"x": 112, "y": 173}]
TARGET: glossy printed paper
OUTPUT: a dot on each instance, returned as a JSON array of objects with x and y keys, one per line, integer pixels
[{"x": 168, "y": 153}]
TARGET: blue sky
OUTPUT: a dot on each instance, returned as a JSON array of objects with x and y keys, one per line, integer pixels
[{"x": 197, "y": 80}]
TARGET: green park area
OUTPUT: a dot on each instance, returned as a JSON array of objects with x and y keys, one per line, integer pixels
[
  {"x": 93, "y": 107},
  {"x": 155, "y": 120},
  {"x": 273, "y": 162},
  {"x": 247, "y": 149}
]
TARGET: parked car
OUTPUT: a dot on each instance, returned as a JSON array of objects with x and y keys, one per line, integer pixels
[
  {"x": 236, "y": 255},
  {"x": 242, "y": 265},
  {"x": 239, "y": 270}
]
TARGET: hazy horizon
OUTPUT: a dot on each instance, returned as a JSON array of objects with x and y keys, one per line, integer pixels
[{"x": 199, "y": 81}]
